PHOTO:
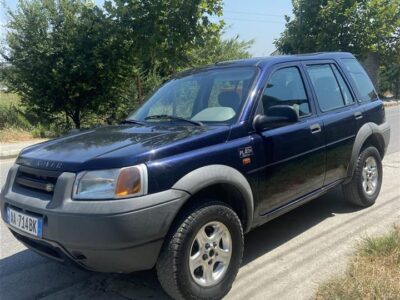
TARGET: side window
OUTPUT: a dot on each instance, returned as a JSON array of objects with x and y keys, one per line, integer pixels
[
  {"x": 348, "y": 98},
  {"x": 286, "y": 87},
  {"x": 326, "y": 87},
  {"x": 361, "y": 80}
]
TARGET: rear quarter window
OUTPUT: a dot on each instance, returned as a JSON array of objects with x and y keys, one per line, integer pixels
[{"x": 363, "y": 83}]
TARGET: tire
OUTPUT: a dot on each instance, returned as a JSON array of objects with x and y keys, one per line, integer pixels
[
  {"x": 182, "y": 244},
  {"x": 355, "y": 191}
]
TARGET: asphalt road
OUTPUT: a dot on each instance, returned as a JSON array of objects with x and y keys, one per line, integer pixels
[
  {"x": 283, "y": 259},
  {"x": 393, "y": 117}
]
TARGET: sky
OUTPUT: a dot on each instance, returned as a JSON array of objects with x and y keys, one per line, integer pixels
[
  {"x": 261, "y": 20},
  {"x": 258, "y": 20}
]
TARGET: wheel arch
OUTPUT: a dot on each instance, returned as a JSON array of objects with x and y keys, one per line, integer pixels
[
  {"x": 223, "y": 182},
  {"x": 369, "y": 135}
]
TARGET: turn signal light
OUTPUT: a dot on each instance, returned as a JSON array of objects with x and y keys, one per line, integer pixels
[{"x": 128, "y": 182}]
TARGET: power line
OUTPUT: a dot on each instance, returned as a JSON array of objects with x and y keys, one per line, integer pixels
[
  {"x": 252, "y": 20},
  {"x": 253, "y": 13}
]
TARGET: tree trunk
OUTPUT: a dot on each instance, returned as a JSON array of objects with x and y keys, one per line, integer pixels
[
  {"x": 67, "y": 124},
  {"x": 77, "y": 119},
  {"x": 139, "y": 89}
]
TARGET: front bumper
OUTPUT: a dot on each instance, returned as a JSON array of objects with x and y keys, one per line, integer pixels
[{"x": 123, "y": 235}]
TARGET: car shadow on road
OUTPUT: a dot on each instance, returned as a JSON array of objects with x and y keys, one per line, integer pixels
[
  {"x": 27, "y": 275},
  {"x": 282, "y": 229}
]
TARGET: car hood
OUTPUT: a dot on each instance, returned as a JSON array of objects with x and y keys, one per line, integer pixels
[{"x": 118, "y": 146}]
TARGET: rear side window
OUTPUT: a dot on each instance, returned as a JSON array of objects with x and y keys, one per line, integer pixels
[
  {"x": 360, "y": 78},
  {"x": 286, "y": 87},
  {"x": 328, "y": 92}
]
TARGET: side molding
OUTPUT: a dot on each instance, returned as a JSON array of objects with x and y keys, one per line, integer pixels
[
  {"x": 207, "y": 176},
  {"x": 382, "y": 132}
]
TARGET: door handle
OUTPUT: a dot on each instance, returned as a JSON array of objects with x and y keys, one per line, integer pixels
[
  {"x": 315, "y": 128},
  {"x": 358, "y": 115}
]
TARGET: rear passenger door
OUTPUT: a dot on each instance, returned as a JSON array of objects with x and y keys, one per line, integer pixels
[{"x": 340, "y": 116}]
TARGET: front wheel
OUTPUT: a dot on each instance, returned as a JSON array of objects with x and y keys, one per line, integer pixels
[
  {"x": 366, "y": 183},
  {"x": 202, "y": 255}
]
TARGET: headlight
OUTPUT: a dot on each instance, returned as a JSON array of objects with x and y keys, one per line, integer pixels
[{"x": 111, "y": 184}]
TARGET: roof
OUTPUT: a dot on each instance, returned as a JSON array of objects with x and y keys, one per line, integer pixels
[
  {"x": 262, "y": 61},
  {"x": 265, "y": 61}
]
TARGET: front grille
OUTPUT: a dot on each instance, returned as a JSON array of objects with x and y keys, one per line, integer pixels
[{"x": 37, "y": 179}]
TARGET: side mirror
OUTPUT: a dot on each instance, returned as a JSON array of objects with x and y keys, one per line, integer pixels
[{"x": 275, "y": 116}]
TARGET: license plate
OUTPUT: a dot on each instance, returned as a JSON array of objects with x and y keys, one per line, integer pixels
[{"x": 24, "y": 222}]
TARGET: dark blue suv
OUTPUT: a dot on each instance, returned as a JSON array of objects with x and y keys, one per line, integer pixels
[{"x": 212, "y": 154}]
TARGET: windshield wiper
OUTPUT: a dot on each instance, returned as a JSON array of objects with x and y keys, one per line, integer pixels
[
  {"x": 169, "y": 117},
  {"x": 129, "y": 121}
]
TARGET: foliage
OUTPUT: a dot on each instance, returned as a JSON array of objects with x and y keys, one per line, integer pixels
[
  {"x": 357, "y": 26},
  {"x": 19, "y": 124},
  {"x": 8, "y": 98},
  {"x": 71, "y": 60},
  {"x": 390, "y": 79},
  {"x": 158, "y": 33},
  {"x": 390, "y": 71},
  {"x": 215, "y": 49},
  {"x": 11, "y": 116},
  {"x": 63, "y": 59}
]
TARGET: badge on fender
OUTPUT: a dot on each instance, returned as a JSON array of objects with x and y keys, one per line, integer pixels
[{"x": 246, "y": 152}]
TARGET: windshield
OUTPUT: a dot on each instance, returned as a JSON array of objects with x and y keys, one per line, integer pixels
[{"x": 209, "y": 96}]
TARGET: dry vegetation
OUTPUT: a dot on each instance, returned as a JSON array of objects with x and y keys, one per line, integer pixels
[
  {"x": 13, "y": 135},
  {"x": 373, "y": 273}
]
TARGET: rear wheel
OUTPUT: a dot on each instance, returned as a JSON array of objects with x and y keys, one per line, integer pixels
[
  {"x": 202, "y": 255},
  {"x": 366, "y": 183}
]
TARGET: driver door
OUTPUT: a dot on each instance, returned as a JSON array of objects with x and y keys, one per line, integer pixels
[{"x": 293, "y": 156}]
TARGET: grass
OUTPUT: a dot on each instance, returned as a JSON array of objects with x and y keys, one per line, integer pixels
[
  {"x": 373, "y": 272},
  {"x": 7, "y": 99},
  {"x": 14, "y": 127},
  {"x": 16, "y": 124},
  {"x": 12, "y": 135}
]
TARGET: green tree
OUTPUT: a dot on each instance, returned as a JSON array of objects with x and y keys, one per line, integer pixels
[
  {"x": 64, "y": 59},
  {"x": 160, "y": 33},
  {"x": 72, "y": 58},
  {"x": 213, "y": 49},
  {"x": 390, "y": 70},
  {"x": 216, "y": 49},
  {"x": 357, "y": 26}
]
